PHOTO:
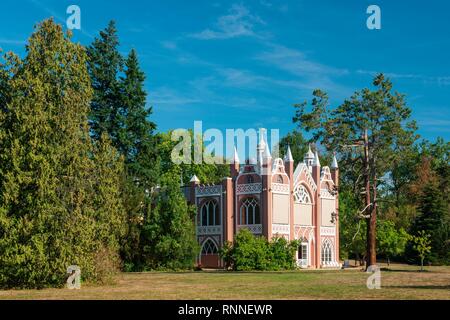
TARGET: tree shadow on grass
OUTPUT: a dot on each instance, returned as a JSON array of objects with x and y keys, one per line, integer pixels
[
  {"x": 437, "y": 287},
  {"x": 406, "y": 270}
]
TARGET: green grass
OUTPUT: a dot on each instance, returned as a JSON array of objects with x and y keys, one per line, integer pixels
[{"x": 400, "y": 282}]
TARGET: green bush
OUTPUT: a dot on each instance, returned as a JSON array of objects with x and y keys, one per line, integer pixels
[{"x": 249, "y": 252}]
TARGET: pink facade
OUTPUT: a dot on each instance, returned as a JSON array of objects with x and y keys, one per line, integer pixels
[{"x": 271, "y": 198}]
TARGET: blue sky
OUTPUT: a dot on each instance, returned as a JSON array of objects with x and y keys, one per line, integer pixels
[{"x": 244, "y": 64}]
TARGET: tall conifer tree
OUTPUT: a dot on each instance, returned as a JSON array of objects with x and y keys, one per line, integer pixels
[
  {"x": 52, "y": 208},
  {"x": 104, "y": 65}
]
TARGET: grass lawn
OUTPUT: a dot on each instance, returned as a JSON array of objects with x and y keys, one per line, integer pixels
[{"x": 400, "y": 282}]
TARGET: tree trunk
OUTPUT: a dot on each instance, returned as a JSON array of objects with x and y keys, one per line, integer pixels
[
  {"x": 371, "y": 207},
  {"x": 372, "y": 238}
]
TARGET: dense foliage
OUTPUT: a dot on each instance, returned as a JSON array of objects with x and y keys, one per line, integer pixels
[
  {"x": 408, "y": 178},
  {"x": 86, "y": 180},
  {"x": 60, "y": 199},
  {"x": 249, "y": 252}
]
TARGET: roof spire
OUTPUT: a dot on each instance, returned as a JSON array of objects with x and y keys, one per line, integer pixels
[
  {"x": 309, "y": 157},
  {"x": 235, "y": 156},
  {"x": 195, "y": 179},
  {"x": 267, "y": 152},
  {"x": 309, "y": 154},
  {"x": 262, "y": 142},
  {"x": 261, "y": 146},
  {"x": 316, "y": 159},
  {"x": 334, "y": 164},
  {"x": 288, "y": 157}
]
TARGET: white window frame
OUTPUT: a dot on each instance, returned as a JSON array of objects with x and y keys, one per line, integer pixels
[
  {"x": 301, "y": 195},
  {"x": 206, "y": 205},
  {"x": 304, "y": 261},
  {"x": 248, "y": 207},
  {"x": 326, "y": 253}
]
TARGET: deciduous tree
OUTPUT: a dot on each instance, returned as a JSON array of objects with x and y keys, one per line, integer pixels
[{"x": 366, "y": 130}]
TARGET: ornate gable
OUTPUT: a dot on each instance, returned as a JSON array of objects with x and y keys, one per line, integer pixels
[
  {"x": 326, "y": 181},
  {"x": 303, "y": 171}
]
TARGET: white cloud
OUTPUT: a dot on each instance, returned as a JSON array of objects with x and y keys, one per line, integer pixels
[
  {"x": 12, "y": 41},
  {"x": 169, "y": 45},
  {"x": 284, "y": 8},
  {"x": 237, "y": 23},
  {"x": 308, "y": 73},
  {"x": 167, "y": 96},
  {"x": 439, "y": 80},
  {"x": 297, "y": 62}
]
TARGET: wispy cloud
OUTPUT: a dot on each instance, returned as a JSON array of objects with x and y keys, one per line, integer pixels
[
  {"x": 57, "y": 16},
  {"x": 167, "y": 96},
  {"x": 296, "y": 62},
  {"x": 12, "y": 42},
  {"x": 245, "y": 79},
  {"x": 434, "y": 124},
  {"x": 237, "y": 23},
  {"x": 437, "y": 80},
  {"x": 266, "y": 3},
  {"x": 269, "y": 5},
  {"x": 309, "y": 74},
  {"x": 171, "y": 45}
]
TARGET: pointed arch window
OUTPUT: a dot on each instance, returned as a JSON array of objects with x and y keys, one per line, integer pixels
[
  {"x": 209, "y": 247},
  {"x": 327, "y": 252},
  {"x": 210, "y": 214},
  {"x": 249, "y": 212},
  {"x": 301, "y": 195}
]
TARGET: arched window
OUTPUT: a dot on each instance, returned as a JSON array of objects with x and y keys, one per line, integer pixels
[
  {"x": 279, "y": 179},
  {"x": 210, "y": 214},
  {"x": 301, "y": 195},
  {"x": 249, "y": 212},
  {"x": 303, "y": 250},
  {"x": 249, "y": 179},
  {"x": 327, "y": 252},
  {"x": 209, "y": 247}
]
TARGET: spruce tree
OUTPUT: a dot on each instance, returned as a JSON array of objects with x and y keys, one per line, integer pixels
[
  {"x": 104, "y": 65},
  {"x": 434, "y": 219},
  {"x": 135, "y": 133},
  {"x": 119, "y": 109}
]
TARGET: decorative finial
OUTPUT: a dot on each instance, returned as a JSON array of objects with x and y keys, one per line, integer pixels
[
  {"x": 334, "y": 164},
  {"x": 195, "y": 179},
  {"x": 236, "y": 156},
  {"x": 288, "y": 157},
  {"x": 316, "y": 159}
]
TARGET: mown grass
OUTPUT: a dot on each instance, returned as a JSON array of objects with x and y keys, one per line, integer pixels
[{"x": 399, "y": 282}]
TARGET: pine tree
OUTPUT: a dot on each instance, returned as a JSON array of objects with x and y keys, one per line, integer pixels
[{"x": 367, "y": 130}]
